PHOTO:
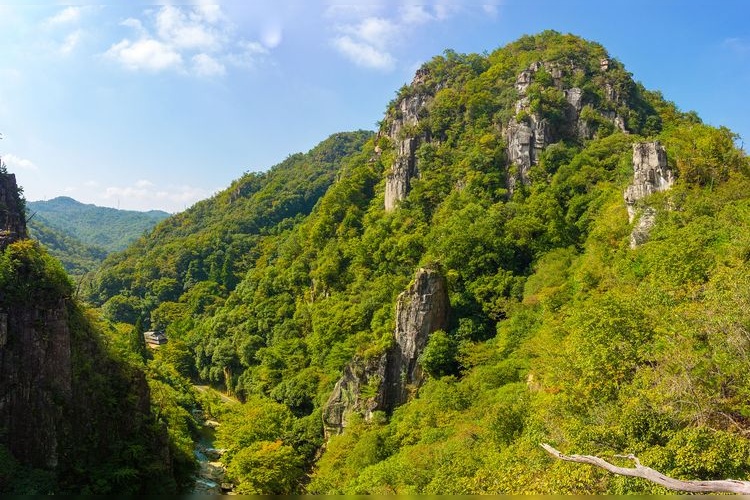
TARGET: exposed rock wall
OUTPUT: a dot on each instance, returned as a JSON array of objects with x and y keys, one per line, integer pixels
[
  {"x": 35, "y": 380},
  {"x": 651, "y": 174},
  {"x": 420, "y": 310},
  {"x": 66, "y": 405},
  {"x": 12, "y": 219},
  {"x": 403, "y": 132},
  {"x": 360, "y": 389},
  {"x": 386, "y": 382},
  {"x": 526, "y": 138}
]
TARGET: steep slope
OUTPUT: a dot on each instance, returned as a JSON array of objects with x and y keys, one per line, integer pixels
[
  {"x": 213, "y": 243},
  {"x": 74, "y": 417},
  {"x": 107, "y": 228},
  {"x": 76, "y": 257},
  {"x": 505, "y": 177}
]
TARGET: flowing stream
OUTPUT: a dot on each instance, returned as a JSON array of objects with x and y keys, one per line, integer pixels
[{"x": 210, "y": 477}]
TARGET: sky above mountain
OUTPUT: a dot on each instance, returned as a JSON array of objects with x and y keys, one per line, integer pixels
[{"x": 143, "y": 105}]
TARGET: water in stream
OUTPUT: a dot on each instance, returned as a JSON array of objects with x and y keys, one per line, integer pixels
[{"x": 210, "y": 477}]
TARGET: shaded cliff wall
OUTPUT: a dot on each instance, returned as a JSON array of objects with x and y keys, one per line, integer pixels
[{"x": 12, "y": 216}]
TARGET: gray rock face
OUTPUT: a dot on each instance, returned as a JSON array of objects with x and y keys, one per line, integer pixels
[
  {"x": 404, "y": 168},
  {"x": 527, "y": 138},
  {"x": 651, "y": 174},
  {"x": 402, "y": 132},
  {"x": 385, "y": 382},
  {"x": 420, "y": 310},
  {"x": 12, "y": 219},
  {"x": 525, "y": 144},
  {"x": 360, "y": 390}
]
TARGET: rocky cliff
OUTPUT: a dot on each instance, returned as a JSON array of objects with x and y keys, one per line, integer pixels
[
  {"x": 67, "y": 407},
  {"x": 651, "y": 174},
  {"x": 404, "y": 132},
  {"x": 12, "y": 216},
  {"x": 420, "y": 310},
  {"x": 530, "y": 130},
  {"x": 387, "y": 381}
]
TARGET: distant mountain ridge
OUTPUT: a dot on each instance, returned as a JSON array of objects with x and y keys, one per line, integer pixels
[
  {"x": 109, "y": 228},
  {"x": 81, "y": 235}
]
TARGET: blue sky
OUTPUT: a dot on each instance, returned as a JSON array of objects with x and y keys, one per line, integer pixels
[{"x": 143, "y": 105}]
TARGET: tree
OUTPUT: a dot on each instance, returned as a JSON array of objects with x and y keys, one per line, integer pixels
[
  {"x": 649, "y": 474},
  {"x": 137, "y": 342}
]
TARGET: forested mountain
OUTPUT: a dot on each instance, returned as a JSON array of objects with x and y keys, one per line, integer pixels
[
  {"x": 81, "y": 235},
  {"x": 107, "y": 228},
  {"x": 532, "y": 248},
  {"x": 76, "y": 257}
]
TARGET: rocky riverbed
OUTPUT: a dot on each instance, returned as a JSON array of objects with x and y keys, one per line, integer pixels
[{"x": 210, "y": 476}]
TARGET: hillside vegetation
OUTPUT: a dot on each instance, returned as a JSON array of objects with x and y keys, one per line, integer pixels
[
  {"x": 514, "y": 167},
  {"x": 82, "y": 235}
]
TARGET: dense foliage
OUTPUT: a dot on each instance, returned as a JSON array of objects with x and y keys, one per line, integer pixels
[
  {"x": 195, "y": 257},
  {"x": 82, "y": 235},
  {"x": 76, "y": 257},
  {"x": 559, "y": 331},
  {"x": 109, "y": 229}
]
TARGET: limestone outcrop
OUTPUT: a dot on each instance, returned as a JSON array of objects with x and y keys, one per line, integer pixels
[
  {"x": 403, "y": 131},
  {"x": 528, "y": 133},
  {"x": 385, "y": 382},
  {"x": 651, "y": 174},
  {"x": 359, "y": 390},
  {"x": 420, "y": 310}
]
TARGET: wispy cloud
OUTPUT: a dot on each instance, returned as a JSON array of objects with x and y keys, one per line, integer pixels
[
  {"x": 62, "y": 29},
  {"x": 145, "y": 195},
  {"x": 740, "y": 46},
  {"x": 145, "y": 54},
  {"x": 17, "y": 163},
  {"x": 364, "y": 54},
  {"x": 199, "y": 40},
  {"x": 71, "y": 42},
  {"x": 66, "y": 16},
  {"x": 368, "y": 34}
]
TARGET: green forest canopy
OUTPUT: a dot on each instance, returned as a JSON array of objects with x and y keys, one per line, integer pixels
[{"x": 559, "y": 331}]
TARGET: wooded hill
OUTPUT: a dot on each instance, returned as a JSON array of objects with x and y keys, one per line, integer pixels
[
  {"x": 505, "y": 176},
  {"x": 81, "y": 235}
]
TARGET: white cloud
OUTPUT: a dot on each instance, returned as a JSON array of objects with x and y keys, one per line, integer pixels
[
  {"x": 415, "y": 14},
  {"x": 136, "y": 24},
  {"x": 369, "y": 36},
  {"x": 188, "y": 30},
  {"x": 144, "y": 195},
  {"x": 493, "y": 9},
  {"x": 205, "y": 65},
  {"x": 198, "y": 40},
  {"x": 15, "y": 162},
  {"x": 71, "y": 42},
  {"x": 363, "y": 54},
  {"x": 66, "y": 16},
  {"x": 148, "y": 54},
  {"x": 375, "y": 31},
  {"x": 247, "y": 54}
]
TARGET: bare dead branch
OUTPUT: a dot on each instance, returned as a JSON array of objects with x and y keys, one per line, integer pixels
[{"x": 649, "y": 474}]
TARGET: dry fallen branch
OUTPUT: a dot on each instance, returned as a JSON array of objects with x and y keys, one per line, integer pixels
[{"x": 649, "y": 474}]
